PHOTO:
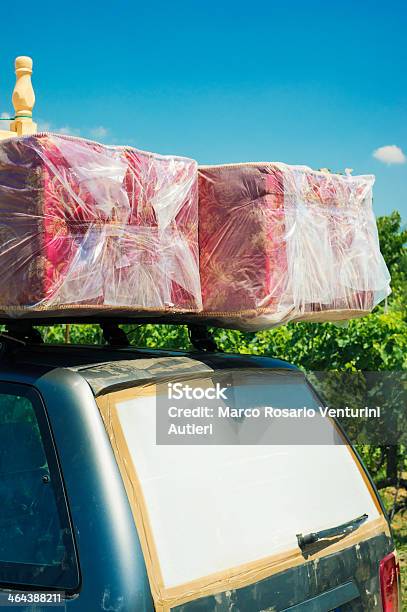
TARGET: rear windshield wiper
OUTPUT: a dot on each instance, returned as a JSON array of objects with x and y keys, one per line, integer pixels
[{"x": 345, "y": 528}]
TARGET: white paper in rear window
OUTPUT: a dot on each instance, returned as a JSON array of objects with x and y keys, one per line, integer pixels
[{"x": 211, "y": 508}]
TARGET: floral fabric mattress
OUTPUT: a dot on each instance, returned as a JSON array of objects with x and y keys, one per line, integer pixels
[
  {"x": 280, "y": 243},
  {"x": 87, "y": 226},
  {"x": 88, "y": 229}
]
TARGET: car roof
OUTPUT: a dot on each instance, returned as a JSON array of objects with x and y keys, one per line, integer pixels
[{"x": 107, "y": 368}]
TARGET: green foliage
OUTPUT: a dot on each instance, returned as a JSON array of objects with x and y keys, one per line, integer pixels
[
  {"x": 376, "y": 342},
  {"x": 159, "y": 336},
  {"x": 76, "y": 334},
  {"x": 393, "y": 240}
]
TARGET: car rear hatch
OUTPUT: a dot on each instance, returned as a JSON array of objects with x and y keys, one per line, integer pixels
[{"x": 264, "y": 525}]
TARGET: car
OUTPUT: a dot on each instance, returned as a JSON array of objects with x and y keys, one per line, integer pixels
[{"x": 96, "y": 515}]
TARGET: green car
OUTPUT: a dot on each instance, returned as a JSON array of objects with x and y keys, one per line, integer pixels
[{"x": 106, "y": 506}]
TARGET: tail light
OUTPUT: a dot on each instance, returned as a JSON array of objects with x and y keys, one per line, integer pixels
[{"x": 389, "y": 572}]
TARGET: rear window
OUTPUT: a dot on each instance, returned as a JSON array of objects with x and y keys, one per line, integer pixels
[{"x": 208, "y": 508}]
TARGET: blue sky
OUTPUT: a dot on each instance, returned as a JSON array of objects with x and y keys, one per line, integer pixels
[{"x": 316, "y": 83}]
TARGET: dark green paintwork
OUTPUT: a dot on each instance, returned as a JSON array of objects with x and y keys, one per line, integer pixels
[
  {"x": 111, "y": 562},
  {"x": 303, "y": 588}
]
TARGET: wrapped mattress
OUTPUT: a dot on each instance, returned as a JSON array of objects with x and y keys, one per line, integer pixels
[
  {"x": 283, "y": 243},
  {"x": 91, "y": 229},
  {"x": 86, "y": 228}
]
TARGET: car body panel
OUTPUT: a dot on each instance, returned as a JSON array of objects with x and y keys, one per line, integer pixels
[
  {"x": 112, "y": 566},
  {"x": 322, "y": 584}
]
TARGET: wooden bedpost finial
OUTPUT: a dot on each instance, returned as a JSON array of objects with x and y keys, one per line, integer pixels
[{"x": 23, "y": 98}]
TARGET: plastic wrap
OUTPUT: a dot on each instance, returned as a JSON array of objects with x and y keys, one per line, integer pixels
[
  {"x": 91, "y": 229},
  {"x": 86, "y": 228},
  {"x": 280, "y": 243}
]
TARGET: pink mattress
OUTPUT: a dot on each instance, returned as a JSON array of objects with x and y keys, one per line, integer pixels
[
  {"x": 90, "y": 227},
  {"x": 87, "y": 228},
  {"x": 280, "y": 243}
]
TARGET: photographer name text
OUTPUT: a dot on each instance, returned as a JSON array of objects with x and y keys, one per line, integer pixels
[{"x": 178, "y": 391}]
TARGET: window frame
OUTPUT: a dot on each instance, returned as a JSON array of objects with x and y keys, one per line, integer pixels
[{"x": 71, "y": 577}]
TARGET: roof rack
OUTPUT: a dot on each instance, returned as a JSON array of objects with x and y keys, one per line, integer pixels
[
  {"x": 23, "y": 331},
  {"x": 7, "y": 343},
  {"x": 202, "y": 339},
  {"x": 114, "y": 335}
]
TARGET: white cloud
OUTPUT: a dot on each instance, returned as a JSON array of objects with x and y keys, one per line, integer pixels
[
  {"x": 66, "y": 129},
  {"x": 4, "y": 125},
  {"x": 48, "y": 126},
  {"x": 43, "y": 126},
  {"x": 99, "y": 132},
  {"x": 390, "y": 154}
]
